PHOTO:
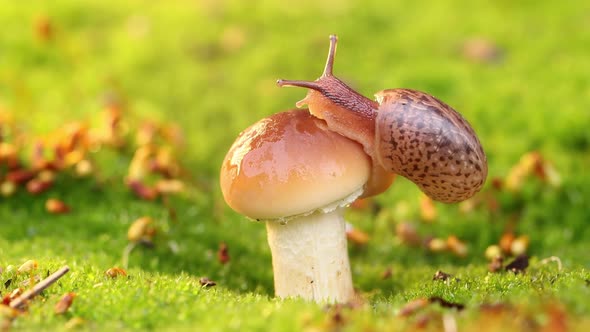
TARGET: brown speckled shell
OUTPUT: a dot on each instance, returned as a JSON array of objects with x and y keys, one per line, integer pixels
[{"x": 426, "y": 141}]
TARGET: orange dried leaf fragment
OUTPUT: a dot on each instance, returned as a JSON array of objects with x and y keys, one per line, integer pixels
[
  {"x": 428, "y": 210},
  {"x": 407, "y": 234},
  {"x": 496, "y": 264},
  {"x": 436, "y": 245},
  {"x": 37, "y": 186},
  {"x": 115, "y": 272},
  {"x": 7, "y": 312},
  {"x": 457, "y": 246},
  {"x": 223, "y": 253},
  {"x": 55, "y": 206},
  {"x": 506, "y": 242},
  {"x": 43, "y": 28},
  {"x": 532, "y": 163},
  {"x": 356, "y": 236},
  {"x": 143, "y": 191},
  {"x": 64, "y": 303},
  {"x": 141, "y": 230},
  {"x": 20, "y": 176}
]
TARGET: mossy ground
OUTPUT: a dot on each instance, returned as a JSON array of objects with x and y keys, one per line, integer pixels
[{"x": 210, "y": 66}]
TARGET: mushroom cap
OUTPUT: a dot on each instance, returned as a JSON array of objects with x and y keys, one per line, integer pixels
[{"x": 290, "y": 164}]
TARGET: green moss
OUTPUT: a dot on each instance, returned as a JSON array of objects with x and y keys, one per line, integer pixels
[{"x": 211, "y": 67}]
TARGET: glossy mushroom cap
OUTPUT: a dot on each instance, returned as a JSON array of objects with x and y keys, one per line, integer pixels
[{"x": 290, "y": 164}]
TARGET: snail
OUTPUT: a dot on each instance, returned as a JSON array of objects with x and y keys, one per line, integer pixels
[{"x": 405, "y": 132}]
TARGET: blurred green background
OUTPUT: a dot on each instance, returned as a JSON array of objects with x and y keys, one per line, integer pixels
[{"x": 517, "y": 70}]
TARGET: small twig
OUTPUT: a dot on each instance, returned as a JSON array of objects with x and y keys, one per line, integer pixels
[
  {"x": 41, "y": 286},
  {"x": 552, "y": 259}
]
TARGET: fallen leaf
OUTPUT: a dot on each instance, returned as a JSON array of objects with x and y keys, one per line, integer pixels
[
  {"x": 496, "y": 264},
  {"x": 408, "y": 234},
  {"x": 457, "y": 246},
  {"x": 223, "y": 253},
  {"x": 356, "y": 236},
  {"x": 481, "y": 50},
  {"x": 428, "y": 210},
  {"x": 206, "y": 282},
  {"x": 115, "y": 272},
  {"x": 64, "y": 303},
  {"x": 440, "y": 275},
  {"x": 142, "y": 190},
  {"x": 387, "y": 273},
  {"x": 141, "y": 230},
  {"x": 519, "y": 264},
  {"x": 56, "y": 206},
  {"x": 437, "y": 245},
  {"x": 75, "y": 322},
  {"x": 506, "y": 242}
]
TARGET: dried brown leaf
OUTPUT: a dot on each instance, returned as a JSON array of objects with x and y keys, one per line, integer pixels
[
  {"x": 116, "y": 272},
  {"x": 64, "y": 303},
  {"x": 56, "y": 206},
  {"x": 206, "y": 282},
  {"x": 440, "y": 275},
  {"x": 223, "y": 253},
  {"x": 519, "y": 264},
  {"x": 496, "y": 264}
]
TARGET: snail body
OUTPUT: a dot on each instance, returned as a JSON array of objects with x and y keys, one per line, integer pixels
[{"x": 405, "y": 132}]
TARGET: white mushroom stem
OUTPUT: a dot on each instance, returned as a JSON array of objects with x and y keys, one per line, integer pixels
[{"x": 310, "y": 257}]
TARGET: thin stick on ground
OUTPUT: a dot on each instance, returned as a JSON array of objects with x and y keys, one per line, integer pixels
[
  {"x": 41, "y": 286},
  {"x": 552, "y": 259}
]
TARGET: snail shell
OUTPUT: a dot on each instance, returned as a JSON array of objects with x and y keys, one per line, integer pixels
[{"x": 426, "y": 141}]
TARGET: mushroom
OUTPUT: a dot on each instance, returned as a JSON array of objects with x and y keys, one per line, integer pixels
[{"x": 292, "y": 172}]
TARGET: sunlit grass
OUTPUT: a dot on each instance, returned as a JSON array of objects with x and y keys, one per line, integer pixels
[{"x": 211, "y": 68}]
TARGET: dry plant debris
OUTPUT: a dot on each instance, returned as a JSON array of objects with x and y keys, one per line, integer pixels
[
  {"x": 116, "y": 272},
  {"x": 388, "y": 273},
  {"x": 481, "y": 50},
  {"x": 519, "y": 264},
  {"x": 440, "y": 275},
  {"x": 72, "y": 150},
  {"x": 532, "y": 164},
  {"x": 16, "y": 303},
  {"x": 141, "y": 230},
  {"x": 62, "y": 306},
  {"x": 428, "y": 211},
  {"x": 223, "y": 253},
  {"x": 496, "y": 264},
  {"x": 206, "y": 282},
  {"x": 56, "y": 206},
  {"x": 356, "y": 236}
]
